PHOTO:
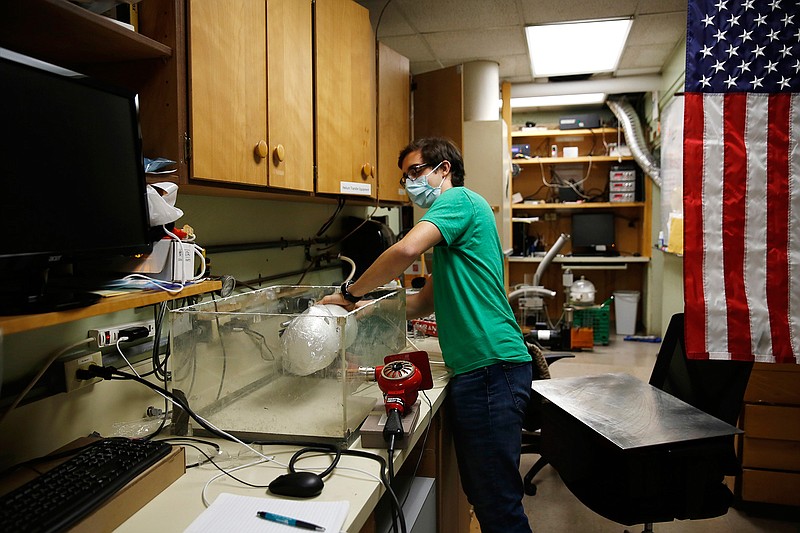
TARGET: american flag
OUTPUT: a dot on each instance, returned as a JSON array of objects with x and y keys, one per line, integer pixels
[{"x": 742, "y": 180}]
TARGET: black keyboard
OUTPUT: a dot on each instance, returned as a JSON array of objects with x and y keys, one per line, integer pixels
[{"x": 65, "y": 494}]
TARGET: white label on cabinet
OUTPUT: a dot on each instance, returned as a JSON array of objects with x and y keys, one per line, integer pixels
[{"x": 352, "y": 187}]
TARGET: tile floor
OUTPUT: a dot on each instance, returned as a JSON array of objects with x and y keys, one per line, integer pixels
[{"x": 555, "y": 510}]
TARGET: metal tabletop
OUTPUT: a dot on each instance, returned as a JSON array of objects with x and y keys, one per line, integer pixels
[{"x": 630, "y": 413}]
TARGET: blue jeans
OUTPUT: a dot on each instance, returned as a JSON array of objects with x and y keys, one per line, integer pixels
[{"x": 486, "y": 408}]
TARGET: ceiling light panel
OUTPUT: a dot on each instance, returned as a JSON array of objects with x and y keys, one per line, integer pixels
[
  {"x": 586, "y": 47},
  {"x": 526, "y": 102}
]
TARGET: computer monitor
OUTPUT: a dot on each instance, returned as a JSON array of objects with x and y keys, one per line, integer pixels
[
  {"x": 72, "y": 183},
  {"x": 593, "y": 234}
]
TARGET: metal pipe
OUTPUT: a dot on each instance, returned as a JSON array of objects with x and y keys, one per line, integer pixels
[
  {"x": 627, "y": 116},
  {"x": 263, "y": 245},
  {"x": 548, "y": 258}
]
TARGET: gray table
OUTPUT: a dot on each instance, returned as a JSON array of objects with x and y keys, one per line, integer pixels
[{"x": 632, "y": 452}]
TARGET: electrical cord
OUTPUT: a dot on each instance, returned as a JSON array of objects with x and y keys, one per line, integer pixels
[
  {"x": 113, "y": 373},
  {"x": 50, "y": 360}
]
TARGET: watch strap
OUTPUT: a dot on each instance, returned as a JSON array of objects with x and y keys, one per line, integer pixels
[{"x": 344, "y": 289}]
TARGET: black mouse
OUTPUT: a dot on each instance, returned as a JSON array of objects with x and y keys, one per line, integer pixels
[{"x": 297, "y": 484}]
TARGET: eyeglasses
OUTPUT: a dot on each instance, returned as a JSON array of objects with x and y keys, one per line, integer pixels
[{"x": 413, "y": 172}]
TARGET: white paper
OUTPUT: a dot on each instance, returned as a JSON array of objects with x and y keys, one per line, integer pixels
[{"x": 231, "y": 512}]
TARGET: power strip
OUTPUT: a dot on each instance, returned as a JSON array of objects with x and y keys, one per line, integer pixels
[{"x": 110, "y": 335}]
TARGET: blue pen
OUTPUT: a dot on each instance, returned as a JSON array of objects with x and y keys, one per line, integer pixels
[{"x": 280, "y": 519}]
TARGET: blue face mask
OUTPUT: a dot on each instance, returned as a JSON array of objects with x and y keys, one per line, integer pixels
[{"x": 420, "y": 192}]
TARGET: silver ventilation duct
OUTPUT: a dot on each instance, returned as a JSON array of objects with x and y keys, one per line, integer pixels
[{"x": 629, "y": 120}]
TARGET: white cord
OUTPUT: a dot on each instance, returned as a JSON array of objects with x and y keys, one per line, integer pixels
[
  {"x": 161, "y": 284},
  {"x": 123, "y": 339},
  {"x": 225, "y": 473},
  {"x": 352, "y": 267},
  {"x": 272, "y": 460}
]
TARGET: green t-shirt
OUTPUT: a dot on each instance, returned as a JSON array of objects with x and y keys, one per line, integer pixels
[{"x": 474, "y": 320}]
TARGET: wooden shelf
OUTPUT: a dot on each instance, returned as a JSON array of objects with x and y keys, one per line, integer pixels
[
  {"x": 564, "y": 133},
  {"x": 63, "y": 33},
  {"x": 590, "y": 260},
  {"x": 573, "y": 160},
  {"x": 572, "y": 206},
  {"x": 20, "y": 323}
]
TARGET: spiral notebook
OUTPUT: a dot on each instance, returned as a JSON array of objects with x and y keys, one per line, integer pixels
[{"x": 231, "y": 512}]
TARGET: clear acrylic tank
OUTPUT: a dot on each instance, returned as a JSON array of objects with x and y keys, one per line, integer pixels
[{"x": 273, "y": 363}]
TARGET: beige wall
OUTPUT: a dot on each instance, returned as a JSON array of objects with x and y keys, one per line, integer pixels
[{"x": 44, "y": 425}]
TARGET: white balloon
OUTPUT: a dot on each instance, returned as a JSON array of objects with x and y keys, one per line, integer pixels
[{"x": 312, "y": 340}]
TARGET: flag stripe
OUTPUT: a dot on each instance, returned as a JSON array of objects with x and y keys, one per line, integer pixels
[
  {"x": 713, "y": 256},
  {"x": 777, "y": 223},
  {"x": 734, "y": 190},
  {"x": 756, "y": 230},
  {"x": 794, "y": 230},
  {"x": 695, "y": 309}
]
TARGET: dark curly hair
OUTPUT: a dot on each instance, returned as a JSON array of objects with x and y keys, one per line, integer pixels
[{"x": 434, "y": 150}]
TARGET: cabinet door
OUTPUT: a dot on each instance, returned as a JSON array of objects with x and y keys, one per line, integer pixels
[
  {"x": 393, "y": 120},
  {"x": 228, "y": 90},
  {"x": 290, "y": 95},
  {"x": 439, "y": 104},
  {"x": 345, "y": 85}
]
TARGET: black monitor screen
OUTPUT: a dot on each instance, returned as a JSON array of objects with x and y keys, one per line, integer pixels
[
  {"x": 71, "y": 169},
  {"x": 593, "y": 234}
]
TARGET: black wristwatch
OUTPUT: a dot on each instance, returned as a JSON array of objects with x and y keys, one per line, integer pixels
[{"x": 346, "y": 293}]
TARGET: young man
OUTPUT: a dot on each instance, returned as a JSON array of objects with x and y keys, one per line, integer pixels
[{"x": 478, "y": 335}]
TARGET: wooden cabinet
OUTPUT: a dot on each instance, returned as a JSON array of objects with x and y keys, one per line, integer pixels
[
  {"x": 251, "y": 92},
  {"x": 227, "y": 89},
  {"x": 345, "y": 99},
  {"x": 439, "y": 104},
  {"x": 394, "y": 87},
  {"x": 770, "y": 447}
]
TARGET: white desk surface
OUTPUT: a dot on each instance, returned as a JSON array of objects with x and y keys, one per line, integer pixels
[{"x": 177, "y": 506}]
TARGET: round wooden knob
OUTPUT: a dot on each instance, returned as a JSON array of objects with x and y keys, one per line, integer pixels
[
  {"x": 262, "y": 149},
  {"x": 366, "y": 171},
  {"x": 279, "y": 153}
]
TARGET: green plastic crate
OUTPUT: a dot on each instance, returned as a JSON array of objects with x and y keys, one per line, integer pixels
[{"x": 596, "y": 317}]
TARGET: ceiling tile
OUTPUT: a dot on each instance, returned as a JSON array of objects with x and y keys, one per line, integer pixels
[
  {"x": 476, "y": 44},
  {"x": 661, "y": 6},
  {"x": 657, "y": 29},
  {"x": 636, "y": 57},
  {"x": 427, "y": 16},
  {"x": 441, "y": 33},
  {"x": 572, "y": 10},
  {"x": 413, "y": 47}
]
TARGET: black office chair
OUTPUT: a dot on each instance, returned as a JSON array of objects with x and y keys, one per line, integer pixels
[
  {"x": 715, "y": 387},
  {"x": 531, "y": 436}
]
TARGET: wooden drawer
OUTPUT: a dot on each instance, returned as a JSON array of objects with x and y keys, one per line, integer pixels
[
  {"x": 771, "y": 487},
  {"x": 772, "y": 422},
  {"x": 773, "y": 383},
  {"x": 769, "y": 453}
]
